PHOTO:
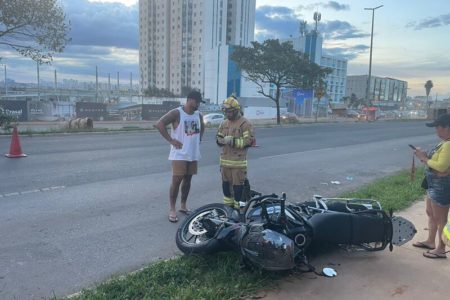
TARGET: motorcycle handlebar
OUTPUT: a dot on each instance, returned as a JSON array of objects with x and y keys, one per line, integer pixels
[{"x": 263, "y": 199}]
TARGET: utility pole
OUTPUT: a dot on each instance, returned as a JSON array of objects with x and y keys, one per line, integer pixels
[
  {"x": 370, "y": 59},
  {"x": 109, "y": 86},
  {"x": 96, "y": 84},
  {"x": 435, "y": 107},
  {"x": 131, "y": 86},
  {"x": 38, "y": 84},
  {"x": 56, "y": 87},
  {"x": 6, "y": 89}
]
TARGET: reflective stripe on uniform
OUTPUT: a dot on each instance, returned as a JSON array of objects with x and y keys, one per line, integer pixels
[
  {"x": 446, "y": 234},
  {"x": 237, "y": 205},
  {"x": 228, "y": 201},
  {"x": 233, "y": 163},
  {"x": 246, "y": 134},
  {"x": 239, "y": 143}
]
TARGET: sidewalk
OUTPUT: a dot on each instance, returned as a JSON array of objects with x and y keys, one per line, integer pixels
[{"x": 401, "y": 274}]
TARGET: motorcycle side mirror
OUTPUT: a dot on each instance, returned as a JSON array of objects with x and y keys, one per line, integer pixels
[{"x": 329, "y": 272}]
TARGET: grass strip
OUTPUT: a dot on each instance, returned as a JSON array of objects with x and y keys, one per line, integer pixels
[
  {"x": 186, "y": 277},
  {"x": 219, "y": 276},
  {"x": 395, "y": 192}
]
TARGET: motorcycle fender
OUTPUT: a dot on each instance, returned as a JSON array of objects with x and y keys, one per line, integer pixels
[
  {"x": 227, "y": 232},
  {"x": 403, "y": 230}
]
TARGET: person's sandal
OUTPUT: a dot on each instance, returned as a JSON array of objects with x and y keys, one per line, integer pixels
[
  {"x": 432, "y": 255},
  {"x": 173, "y": 219},
  {"x": 422, "y": 245}
]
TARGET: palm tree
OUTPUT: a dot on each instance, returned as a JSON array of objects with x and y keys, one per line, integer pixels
[{"x": 428, "y": 87}]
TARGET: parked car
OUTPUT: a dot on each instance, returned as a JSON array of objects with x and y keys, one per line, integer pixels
[
  {"x": 380, "y": 115},
  {"x": 355, "y": 114},
  {"x": 288, "y": 117},
  {"x": 213, "y": 119},
  {"x": 351, "y": 113}
]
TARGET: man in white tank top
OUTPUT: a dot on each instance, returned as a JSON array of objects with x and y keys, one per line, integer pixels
[{"x": 186, "y": 133}]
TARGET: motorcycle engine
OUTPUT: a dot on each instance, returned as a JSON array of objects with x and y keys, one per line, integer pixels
[{"x": 267, "y": 249}]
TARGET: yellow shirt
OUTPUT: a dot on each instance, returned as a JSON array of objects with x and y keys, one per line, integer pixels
[{"x": 440, "y": 161}]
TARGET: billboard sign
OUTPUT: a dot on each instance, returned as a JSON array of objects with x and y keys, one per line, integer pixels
[
  {"x": 95, "y": 111},
  {"x": 15, "y": 108}
]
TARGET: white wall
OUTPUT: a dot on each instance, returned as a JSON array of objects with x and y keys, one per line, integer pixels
[
  {"x": 216, "y": 74},
  {"x": 255, "y": 112},
  {"x": 250, "y": 89}
]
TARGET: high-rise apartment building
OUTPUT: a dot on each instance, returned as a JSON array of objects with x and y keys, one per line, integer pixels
[{"x": 177, "y": 38}]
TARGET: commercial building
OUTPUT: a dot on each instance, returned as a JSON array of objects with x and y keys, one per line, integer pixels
[
  {"x": 311, "y": 44},
  {"x": 184, "y": 43},
  {"x": 383, "y": 91}
]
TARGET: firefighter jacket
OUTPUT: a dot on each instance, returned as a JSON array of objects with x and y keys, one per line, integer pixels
[
  {"x": 446, "y": 234},
  {"x": 234, "y": 137}
]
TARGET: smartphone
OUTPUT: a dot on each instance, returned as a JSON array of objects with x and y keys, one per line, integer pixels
[{"x": 413, "y": 147}]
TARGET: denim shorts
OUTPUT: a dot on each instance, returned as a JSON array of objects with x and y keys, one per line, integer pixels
[{"x": 438, "y": 188}]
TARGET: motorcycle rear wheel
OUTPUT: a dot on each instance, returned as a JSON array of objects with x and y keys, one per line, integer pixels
[{"x": 193, "y": 238}]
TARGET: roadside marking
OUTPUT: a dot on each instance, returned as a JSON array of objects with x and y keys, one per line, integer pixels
[
  {"x": 41, "y": 190},
  {"x": 11, "y": 194},
  {"x": 29, "y": 192},
  {"x": 286, "y": 154}
]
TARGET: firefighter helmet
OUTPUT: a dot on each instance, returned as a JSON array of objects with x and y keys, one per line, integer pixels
[{"x": 231, "y": 103}]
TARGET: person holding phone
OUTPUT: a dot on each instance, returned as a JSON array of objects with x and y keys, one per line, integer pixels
[{"x": 437, "y": 163}]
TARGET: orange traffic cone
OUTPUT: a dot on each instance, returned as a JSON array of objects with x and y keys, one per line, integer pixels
[{"x": 15, "y": 150}]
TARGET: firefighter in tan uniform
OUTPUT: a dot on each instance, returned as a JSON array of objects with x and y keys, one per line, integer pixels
[{"x": 235, "y": 136}]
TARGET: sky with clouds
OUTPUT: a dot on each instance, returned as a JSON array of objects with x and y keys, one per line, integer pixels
[{"x": 410, "y": 39}]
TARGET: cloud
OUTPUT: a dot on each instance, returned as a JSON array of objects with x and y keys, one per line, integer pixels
[
  {"x": 336, "y": 6},
  {"x": 348, "y": 52},
  {"x": 105, "y": 35},
  {"x": 442, "y": 20},
  {"x": 330, "y": 4},
  {"x": 276, "y": 22},
  {"x": 103, "y": 24},
  {"x": 340, "y": 30},
  {"x": 109, "y": 60},
  {"x": 282, "y": 22}
]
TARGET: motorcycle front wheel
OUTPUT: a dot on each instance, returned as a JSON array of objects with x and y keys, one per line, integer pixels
[{"x": 193, "y": 238}]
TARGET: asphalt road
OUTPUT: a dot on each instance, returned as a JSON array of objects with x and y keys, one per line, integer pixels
[{"x": 82, "y": 207}]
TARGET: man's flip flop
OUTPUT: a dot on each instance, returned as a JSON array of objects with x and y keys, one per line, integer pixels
[
  {"x": 431, "y": 255},
  {"x": 173, "y": 219},
  {"x": 422, "y": 245},
  {"x": 185, "y": 211}
]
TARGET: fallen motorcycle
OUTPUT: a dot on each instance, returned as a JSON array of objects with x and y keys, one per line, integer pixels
[{"x": 273, "y": 234}]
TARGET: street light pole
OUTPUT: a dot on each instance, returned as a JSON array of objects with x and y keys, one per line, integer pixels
[
  {"x": 371, "y": 45},
  {"x": 38, "y": 81},
  {"x": 6, "y": 88}
]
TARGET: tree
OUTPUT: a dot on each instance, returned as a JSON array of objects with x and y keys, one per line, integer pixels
[
  {"x": 155, "y": 92},
  {"x": 428, "y": 87},
  {"x": 278, "y": 65},
  {"x": 354, "y": 102},
  {"x": 319, "y": 93},
  {"x": 346, "y": 100},
  {"x": 185, "y": 90},
  {"x": 35, "y": 29},
  {"x": 6, "y": 120}
]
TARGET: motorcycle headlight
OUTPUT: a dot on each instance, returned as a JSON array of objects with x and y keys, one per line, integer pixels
[{"x": 268, "y": 249}]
